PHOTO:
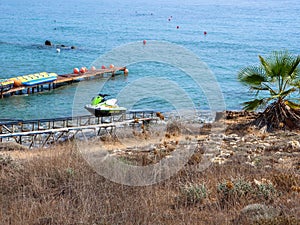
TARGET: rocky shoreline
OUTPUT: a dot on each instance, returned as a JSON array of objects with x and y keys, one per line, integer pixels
[
  {"x": 252, "y": 176},
  {"x": 240, "y": 142}
]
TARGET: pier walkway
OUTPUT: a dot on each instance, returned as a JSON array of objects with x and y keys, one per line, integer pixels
[
  {"x": 44, "y": 132},
  {"x": 64, "y": 80}
]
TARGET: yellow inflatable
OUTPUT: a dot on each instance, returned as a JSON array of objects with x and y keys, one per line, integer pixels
[
  {"x": 34, "y": 79},
  {"x": 6, "y": 84}
]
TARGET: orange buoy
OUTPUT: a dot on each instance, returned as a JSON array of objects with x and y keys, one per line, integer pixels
[
  {"x": 76, "y": 70},
  {"x": 111, "y": 66},
  {"x": 126, "y": 71},
  {"x": 93, "y": 68},
  {"x": 103, "y": 67},
  {"x": 144, "y": 42},
  {"x": 82, "y": 70}
]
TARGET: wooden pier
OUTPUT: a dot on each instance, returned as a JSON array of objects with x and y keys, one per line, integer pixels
[
  {"x": 64, "y": 80},
  {"x": 44, "y": 132}
]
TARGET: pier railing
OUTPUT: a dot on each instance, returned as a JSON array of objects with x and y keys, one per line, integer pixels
[{"x": 44, "y": 132}]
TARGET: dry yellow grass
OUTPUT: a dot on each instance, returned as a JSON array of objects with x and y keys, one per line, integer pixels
[{"x": 57, "y": 186}]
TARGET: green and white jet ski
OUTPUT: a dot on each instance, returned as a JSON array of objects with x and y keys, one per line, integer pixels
[{"x": 100, "y": 107}]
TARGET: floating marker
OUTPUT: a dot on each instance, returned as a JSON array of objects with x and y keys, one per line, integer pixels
[
  {"x": 82, "y": 70},
  {"x": 76, "y": 70}
]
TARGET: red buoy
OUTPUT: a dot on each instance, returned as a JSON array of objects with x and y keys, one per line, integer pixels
[
  {"x": 144, "y": 42},
  {"x": 82, "y": 70},
  {"x": 103, "y": 67},
  {"x": 76, "y": 70}
]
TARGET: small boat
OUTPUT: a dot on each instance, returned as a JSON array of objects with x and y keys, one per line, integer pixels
[
  {"x": 6, "y": 84},
  {"x": 100, "y": 107},
  {"x": 34, "y": 79}
]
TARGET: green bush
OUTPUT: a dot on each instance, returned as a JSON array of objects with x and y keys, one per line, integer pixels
[{"x": 194, "y": 193}]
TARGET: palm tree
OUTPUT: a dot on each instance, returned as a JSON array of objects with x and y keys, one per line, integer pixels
[{"x": 276, "y": 83}]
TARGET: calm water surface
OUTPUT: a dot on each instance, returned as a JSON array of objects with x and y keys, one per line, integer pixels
[{"x": 237, "y": 32}]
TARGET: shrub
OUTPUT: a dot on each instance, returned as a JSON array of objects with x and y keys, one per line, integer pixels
[
  {"x": 193, "y": 193},
  {"x": 233, "y": 191},
  {"x": 266, "y": 190}
]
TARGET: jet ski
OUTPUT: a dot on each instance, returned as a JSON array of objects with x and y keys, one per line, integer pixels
[{"x": 101, "y": 107}]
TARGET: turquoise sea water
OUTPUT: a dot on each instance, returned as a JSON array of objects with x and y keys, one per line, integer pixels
[{"x": 237, "y": 32}]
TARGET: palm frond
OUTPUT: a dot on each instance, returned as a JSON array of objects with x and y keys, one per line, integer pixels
[
  {"x": 296, "y": 84},
  {"x": 286, "y": 93},
  {"x": 252, "y": 76},
  {"x": 292, "y": 105},
  {"x": 271, "y": 90},
  {"x": 265, "y": 65},
  {"x": 254, "y": 104},
  {"x": 279, "y": 74},
  {"x": 294, "y": 67},
  {"x": 259, "y": 88},
  {"x": 283, "y": 65}
]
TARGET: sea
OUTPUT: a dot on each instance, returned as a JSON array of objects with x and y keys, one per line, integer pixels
[{"x": 179, "y": 54}]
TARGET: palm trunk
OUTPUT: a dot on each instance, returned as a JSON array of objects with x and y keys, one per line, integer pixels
[{"x": 277, "y": 116}]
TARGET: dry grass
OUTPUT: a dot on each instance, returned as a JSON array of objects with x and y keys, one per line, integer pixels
[
  {"x": 60, "y": 188},
  {"x": 57, "y": 186}
]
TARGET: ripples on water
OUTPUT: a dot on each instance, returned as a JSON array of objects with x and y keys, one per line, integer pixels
[{"x": 237, "y": 31}]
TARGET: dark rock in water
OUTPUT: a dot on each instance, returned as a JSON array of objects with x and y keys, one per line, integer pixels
[
  {"x": 65, "y": 47},
  {"x": 48, "y": 43}
]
